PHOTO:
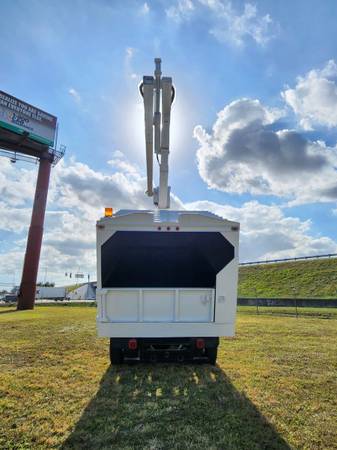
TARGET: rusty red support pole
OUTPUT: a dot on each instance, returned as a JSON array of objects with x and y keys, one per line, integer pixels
[{"x": 26, "y": 297}]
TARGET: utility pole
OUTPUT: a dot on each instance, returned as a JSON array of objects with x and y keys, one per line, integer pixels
[{"x": 26, "y": 297}]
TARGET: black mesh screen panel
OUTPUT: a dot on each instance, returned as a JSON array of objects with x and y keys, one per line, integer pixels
[{"x": 164, "y": 259}]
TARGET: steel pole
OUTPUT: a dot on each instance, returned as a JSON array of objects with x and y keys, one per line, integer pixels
[{"x": 26, "y": 297}]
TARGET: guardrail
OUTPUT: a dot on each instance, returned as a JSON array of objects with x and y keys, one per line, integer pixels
[{"x": 298, "y": 258}]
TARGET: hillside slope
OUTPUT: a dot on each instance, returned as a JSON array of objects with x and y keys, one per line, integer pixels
[{"x": 311, "y": 278}]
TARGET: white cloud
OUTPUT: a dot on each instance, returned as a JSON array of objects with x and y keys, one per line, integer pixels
[
  {"x": 129, "y": 52},
  {"x": 266, "y": 233},
  {"x": 14, "y": 219},
  {"x": 314, "y": 97},
  {"x": 118, "y": 154},
  {"x": 21, "y": 187},
  {"x": 180, "y": 11},
  {"x": 144, "y": 9},
  {"x": 74, "y": 94},
  {"x": 230, "y": 26},
  {"x": 244, "y": 153},
  {"x": 225, "y": 23},
  {"x": 129, "y": 55}
]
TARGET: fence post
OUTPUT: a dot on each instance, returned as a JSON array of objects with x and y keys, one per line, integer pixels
[
  {"x": 295, "y": 301},
  {"x": 257, "y": 301}
]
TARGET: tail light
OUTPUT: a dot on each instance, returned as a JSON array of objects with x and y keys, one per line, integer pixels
[
  {"x": 200, "y": 344},
  {"x": 132, "y": 344}
]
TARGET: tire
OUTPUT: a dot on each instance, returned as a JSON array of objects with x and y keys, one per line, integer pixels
[
  {"x": 212, "y": 353},
  {"x": 116, "y": 356}
]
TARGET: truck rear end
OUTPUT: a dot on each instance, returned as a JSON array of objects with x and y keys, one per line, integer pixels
[
  {"x": 166, "y": 284},
  {"x": 50, "y": 293}
]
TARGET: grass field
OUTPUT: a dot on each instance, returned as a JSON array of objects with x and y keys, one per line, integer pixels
[
  {"x": 311, "y": 278},
  {"x": 274, "y": 388}
]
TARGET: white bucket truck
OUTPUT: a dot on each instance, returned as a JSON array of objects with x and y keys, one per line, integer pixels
[{"x": 166, "y": 280}]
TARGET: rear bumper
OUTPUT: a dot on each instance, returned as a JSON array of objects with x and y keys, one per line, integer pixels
[
  {"x": 165, "y": 349},
  {"x": 163, "y": 330}
]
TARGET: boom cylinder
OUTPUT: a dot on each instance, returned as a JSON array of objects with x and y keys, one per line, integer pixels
[
  {"x": 157, "y": 114},
  {"x": 147, "y": 93},
  {"x": 26, "y": 297}
]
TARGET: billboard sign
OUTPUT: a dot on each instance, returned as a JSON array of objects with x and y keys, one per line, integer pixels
[{"x": 20, "y": 117}]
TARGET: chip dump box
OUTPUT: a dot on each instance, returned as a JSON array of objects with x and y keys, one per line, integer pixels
[{"x": 166, "y": 284}]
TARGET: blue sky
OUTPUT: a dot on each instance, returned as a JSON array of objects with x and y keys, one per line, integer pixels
[{"x": 267, "y": 160}]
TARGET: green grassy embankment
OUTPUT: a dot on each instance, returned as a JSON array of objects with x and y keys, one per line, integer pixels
[
  {"x": 305, "y": 279},
  {"x": 274, "y": 388}
]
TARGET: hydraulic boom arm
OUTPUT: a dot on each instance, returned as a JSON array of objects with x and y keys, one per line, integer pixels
[{"x": 157, "y": 131}]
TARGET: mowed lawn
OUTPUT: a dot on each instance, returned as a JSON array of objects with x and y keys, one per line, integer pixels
[{"x": 274, "y": 388}]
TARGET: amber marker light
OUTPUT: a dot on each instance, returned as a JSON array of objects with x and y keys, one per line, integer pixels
[{"x": 108, "y": 212}]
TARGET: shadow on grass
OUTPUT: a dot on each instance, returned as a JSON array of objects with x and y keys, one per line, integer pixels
[
  {"x": 171, "y": 407},
  {"x": 8, "y": 311}
]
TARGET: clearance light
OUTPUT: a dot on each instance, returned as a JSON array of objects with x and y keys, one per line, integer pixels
[
  {"x": 108, "y": 212},
  {"x": 132, "y": 344}
]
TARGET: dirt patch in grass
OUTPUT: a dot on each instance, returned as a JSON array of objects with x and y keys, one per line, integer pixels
[{"x": 274, "y": 388}]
